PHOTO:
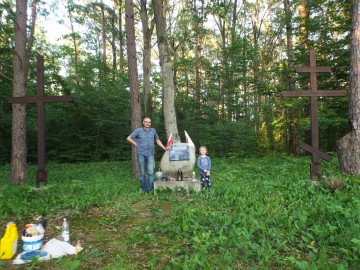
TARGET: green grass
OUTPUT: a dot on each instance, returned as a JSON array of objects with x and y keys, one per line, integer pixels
[{"x": 261, "y": 214}]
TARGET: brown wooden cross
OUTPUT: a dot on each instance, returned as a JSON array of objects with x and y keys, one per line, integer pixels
[
  {"x": 40, "y": 100},
  {"x": 315, "y": 167}
]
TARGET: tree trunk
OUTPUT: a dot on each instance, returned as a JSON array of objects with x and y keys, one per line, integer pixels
[
  {"x": 76, "y": 53},
  {"x": 292, "y": 112},
  {"x": 349, "y": 145},
  {"x": 121, "y": 37},
  {"x": 349, "y": 153},
  {"x": 198, "y": 52},
  {"x": 103, "y": 34},
  {"x": 303, "y": 29},
  {"x": 19, "y": 149},
  {"x": 133, "y": 79},
  {"x": 147, "y": 33},
  {"x": 167, "y": 72},
  {"x": 32, "y": 31},
  {"x": 113, "y": 45}
]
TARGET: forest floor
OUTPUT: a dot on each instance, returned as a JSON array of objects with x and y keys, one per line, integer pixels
[{"x": 261, "y": 213}]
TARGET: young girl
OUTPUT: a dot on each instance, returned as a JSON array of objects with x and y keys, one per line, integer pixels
[{"x": 204, "y": 165}]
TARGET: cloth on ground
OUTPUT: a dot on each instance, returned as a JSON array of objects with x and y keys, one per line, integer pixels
[{"x": 54, "y": 249}]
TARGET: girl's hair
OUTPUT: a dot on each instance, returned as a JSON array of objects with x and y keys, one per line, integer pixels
[{"x": 204, "y": 148}]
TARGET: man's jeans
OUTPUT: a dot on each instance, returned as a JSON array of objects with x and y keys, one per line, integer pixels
[{"x": 146, "y": 163}]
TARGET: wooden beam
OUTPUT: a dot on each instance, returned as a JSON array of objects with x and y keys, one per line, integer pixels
[
  {"x": 315, "y": 151},
  {"x": 318, "y": 93},
  {"x": 39, "y": 99},
  {"x": 307, "y": 69}
]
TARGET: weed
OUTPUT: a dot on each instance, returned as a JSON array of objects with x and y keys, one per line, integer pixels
[
  {"x": 260, "y": 214},
  {"x": 334, "y": 183}
]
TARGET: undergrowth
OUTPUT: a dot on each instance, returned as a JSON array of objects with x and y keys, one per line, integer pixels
[{"x": 260, "y": 214}]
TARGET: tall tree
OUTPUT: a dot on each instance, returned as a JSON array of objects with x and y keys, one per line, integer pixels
[
  {"x": 121, "y": 34},
  {"x": 147, "y": 34},
  {"x": 103, "y": 34},
  {"x": 20, "y": 67},
  {"x": 349, "y": 145},
  {"x": 133, "y": 77},
  {"x": 167, "y": 72},
  {"x": 198, "y": 29},
  {"x": 292, "y": 142},
  {"x": 74, "y": 36}
]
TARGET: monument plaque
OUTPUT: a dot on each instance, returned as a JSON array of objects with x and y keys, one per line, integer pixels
[{"x": 179, "y": 151}]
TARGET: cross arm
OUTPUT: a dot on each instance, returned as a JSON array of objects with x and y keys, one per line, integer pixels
[
  {"x": 312, "y": 69},
  {"x": 39, "y": 99},
  {"x": 315, "y": 151},
  {"x": 318, "y": 93}
]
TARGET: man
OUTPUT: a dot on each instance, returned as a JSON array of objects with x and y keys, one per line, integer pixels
[{"x": 143, "y": 138}]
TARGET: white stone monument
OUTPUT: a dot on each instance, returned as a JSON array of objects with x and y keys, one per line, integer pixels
[{"x": 180, "y": 156}]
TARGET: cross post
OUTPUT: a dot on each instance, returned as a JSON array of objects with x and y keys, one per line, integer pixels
[
  {"x": 40, "y": 100},
  {"x": 315, "y": 167}
]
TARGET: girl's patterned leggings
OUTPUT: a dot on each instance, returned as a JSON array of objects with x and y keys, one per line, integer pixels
[{"x": 205, "y": 179}]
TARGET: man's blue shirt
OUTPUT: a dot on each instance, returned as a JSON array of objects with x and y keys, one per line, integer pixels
[{"x": 145, "y": 140}]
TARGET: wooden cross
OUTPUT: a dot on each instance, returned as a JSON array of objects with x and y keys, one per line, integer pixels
[
  {"x": 40, "y": 100},
  {"x": 315, "y": 167}
]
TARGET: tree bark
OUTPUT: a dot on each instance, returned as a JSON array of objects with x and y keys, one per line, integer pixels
[
  {"x": 20, "y": 66},
  {"x": 133, "y": 79},
  {"x": 113, "y": 45},
  {"x": 147, "y": 33},
  {"x": 32, "y": 31},
  {"x": 198, "y": 51},
  {"x": 349, "y": 145},
  {"x": 292, "y": 112},
  {"x": 103, "y": 34},
  {"x": 167, "y": 72},
  {"x": 121, "y": 37},
  {"x": 76, "y": 53},
  {"x": 303, "y": 29}
]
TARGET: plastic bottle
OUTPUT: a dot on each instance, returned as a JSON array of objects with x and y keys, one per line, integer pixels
[
  {"x": 65, "y": 232},
  {"x": 193, "y": 176},
  {"x": 8, "y": 244},
  {"x": 78, "y": 247},
  {"x": 40, "y": 229}
]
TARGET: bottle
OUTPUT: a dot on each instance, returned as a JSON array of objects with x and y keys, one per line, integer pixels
[
  {"x": 65, "y": 233},
  {"x": 78, "y": 247},
  {"x": 179, "y": 175},
  {"x": 193, "y": 176},
  {"x": 167, "y": 177},
  {"x": 8, "y": 244},
  {"x": 40, "y": 229}
]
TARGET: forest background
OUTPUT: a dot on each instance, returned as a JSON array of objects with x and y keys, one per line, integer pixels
[{"x": 231, "y": 60}]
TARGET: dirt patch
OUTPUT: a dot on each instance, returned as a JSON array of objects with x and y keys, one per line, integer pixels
[{"x": 123, "y": 236}]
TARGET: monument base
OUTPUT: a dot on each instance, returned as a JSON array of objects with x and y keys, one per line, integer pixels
[{"x": 187, "y": 185}]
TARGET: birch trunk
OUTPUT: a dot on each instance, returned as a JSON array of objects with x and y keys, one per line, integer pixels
[{"x": 167, "y": 72}]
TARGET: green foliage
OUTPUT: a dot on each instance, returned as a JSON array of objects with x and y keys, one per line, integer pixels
[
  {"x": 6, "y": 74},
  {"x": 224, "y": 139},
  {"x": 66, "y": 180},
  {"x": 233, "y": 107},
  {"x": 260, "y": 214}
]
